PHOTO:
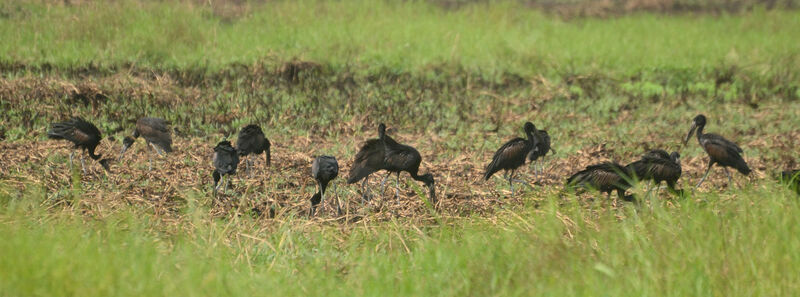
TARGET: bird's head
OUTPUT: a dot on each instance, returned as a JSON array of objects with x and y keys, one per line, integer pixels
[
  {"x": 698, "y": 121},
  {"x": 529, "y": 127},
  {"x": 381, "y": 130},
  {"x": 675, "y": 157},
  {"x": 431, "y": 184},
  {"x": 126, "y": 143},
  {"x": 106, "y": 163}
]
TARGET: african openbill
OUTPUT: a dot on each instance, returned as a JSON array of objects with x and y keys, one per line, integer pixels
[
  {"x": 83, "y": 134},
  {"x": 252, "y": 141},
  {"x": 156, "y": 134},
  {"x": 657, "y": 165},
  {"x": 604, "y": 177},
  {"x": 542, "y": 148},
  {"x": 512, "y": 155},
  {"x": 384, "y": 153},
  {"x": 720, "y": 150},
  {"x": 324, "y": 169},
  {"x": 226, "y": 159}
]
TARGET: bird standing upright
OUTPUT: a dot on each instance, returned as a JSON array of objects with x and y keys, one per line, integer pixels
[
  {"x": 156, "y": 134},
  {"x": 720, "y": 150},
  {"x": 541, "y": 149},
  {"x": 657, "y": 165},
  {"x": 384, "y": 153},
  {"x": 83, "y": 134},
  {"x": 324, "y": 169},
  {"x": 604, "y": 177},
  {"x": 225, "y": 160},
  {"x": 252, "y": 141},
  {"x": 512, "y": 155}
]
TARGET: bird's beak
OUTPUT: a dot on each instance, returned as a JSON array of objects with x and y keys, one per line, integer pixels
[
  {"x": 691, "y": 132},
  {"x": 432, "y": 194},
  {"x": 124, "y": 149}
]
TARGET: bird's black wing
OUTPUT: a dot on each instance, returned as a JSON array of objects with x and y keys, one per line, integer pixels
[
  {"x": 368, "y": 160},
  {"x": 504, "y": 155},
  {"x": 155, "y": 130},
  {"x": 719, "y": 140}
]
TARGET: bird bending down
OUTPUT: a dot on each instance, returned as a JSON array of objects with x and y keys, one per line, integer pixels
[
  {"x": 156, "y": 134},
  {"x": 657, "y": 165},
  {"x": 252, "y": 141},
  {"x": 84, "y": 135},
  {"x": 226, "y": 159},
  {"x": 512, "y": 155},
  {"x": 384, "y": 153},
  {"x": 540, "y": 150},
  {"x": 720, "y": 150},
  {"x": 604, "y": 177},
  {"x": 324, "y": 169}
]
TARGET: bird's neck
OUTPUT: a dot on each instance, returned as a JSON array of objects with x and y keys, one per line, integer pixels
[
  {"x": 92, "y": 155},
  {"x": 700, "y": 131}
]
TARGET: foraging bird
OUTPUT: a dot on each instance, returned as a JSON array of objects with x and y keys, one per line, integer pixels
[
  {"x": 720, "y": 150},
  {"x": 512, "y": 155},
  {"x": 156, "y": 134},
  {"x": 384, "y": 153},
  {"x": 324, "y": 169},
  {"x": 252, "y": 141},
  {"x": 604, "y": 177},
  {"x": 226, "y": 159},
  {"x": 657, "y": 165},
  {"x": 83, "y": 134},
  {"x": 541, "y": 149}
]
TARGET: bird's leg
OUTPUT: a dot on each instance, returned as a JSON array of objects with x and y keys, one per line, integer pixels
[
  {"x": 397, "y": 186},
  {"x": 710, "y": 163},
  {"x": 71, "y": 155},
  {"x": 338, "y": 202},
  {"x": 383, "y": 183},
  {"x": 158, "y": 151},
  {"x": 365, "y": 188},
  {"x": 83, "y": 166},
  {"x": 728, "y": 173},
  {"x": 149, "y": 157},
  {"x": 510, "y": 182}
]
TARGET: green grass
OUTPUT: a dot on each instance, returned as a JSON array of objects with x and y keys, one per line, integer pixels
[
  {"x": 734, "y": 243},
  {"x": 402, "y": 36}
]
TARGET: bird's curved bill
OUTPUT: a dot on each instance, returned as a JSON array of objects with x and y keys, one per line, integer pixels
[
  {"x": 691, "y": 132},
  {"x": 121, "y": 152}
]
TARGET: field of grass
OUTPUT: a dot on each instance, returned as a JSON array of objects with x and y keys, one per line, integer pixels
[{"x": 455, "y": 82}]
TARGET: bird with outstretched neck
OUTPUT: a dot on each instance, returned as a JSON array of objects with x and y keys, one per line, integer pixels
[
  {"x": 324, "y": 169},
  {"x": 720, "y": 150},
  {"x": 84, "y": 135},
  {"x": 252, "y": 141},
  {"x": 225, "y": 161},
  {"x": 542, "y": 148},
  {"x": 156, "y": 134},
  {"x": 384, "y": 153},
  {"x": 512, "y": 155}
]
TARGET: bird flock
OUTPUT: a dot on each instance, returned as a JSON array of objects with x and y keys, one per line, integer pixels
[{"x": 385, "y": 154}]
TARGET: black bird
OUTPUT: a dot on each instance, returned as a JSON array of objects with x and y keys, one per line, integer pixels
[
  {"x": 541, "y": 149},
  {"x": 324, "y": 169},
  {"x": 226, "y": 159},
  {"x": 512, "y": 155},
  {"x": 384, "y": 153},
  {"x": 156, "y": 134},
  {"x": 252, "y": 141},
  {"x": 604, "y": 177},
  {"x": 657, "y": 165},
  {"x": 720, "y": 150},
  {"x": 792, "y": 177},
  {"x": 83, "y": 134}
]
